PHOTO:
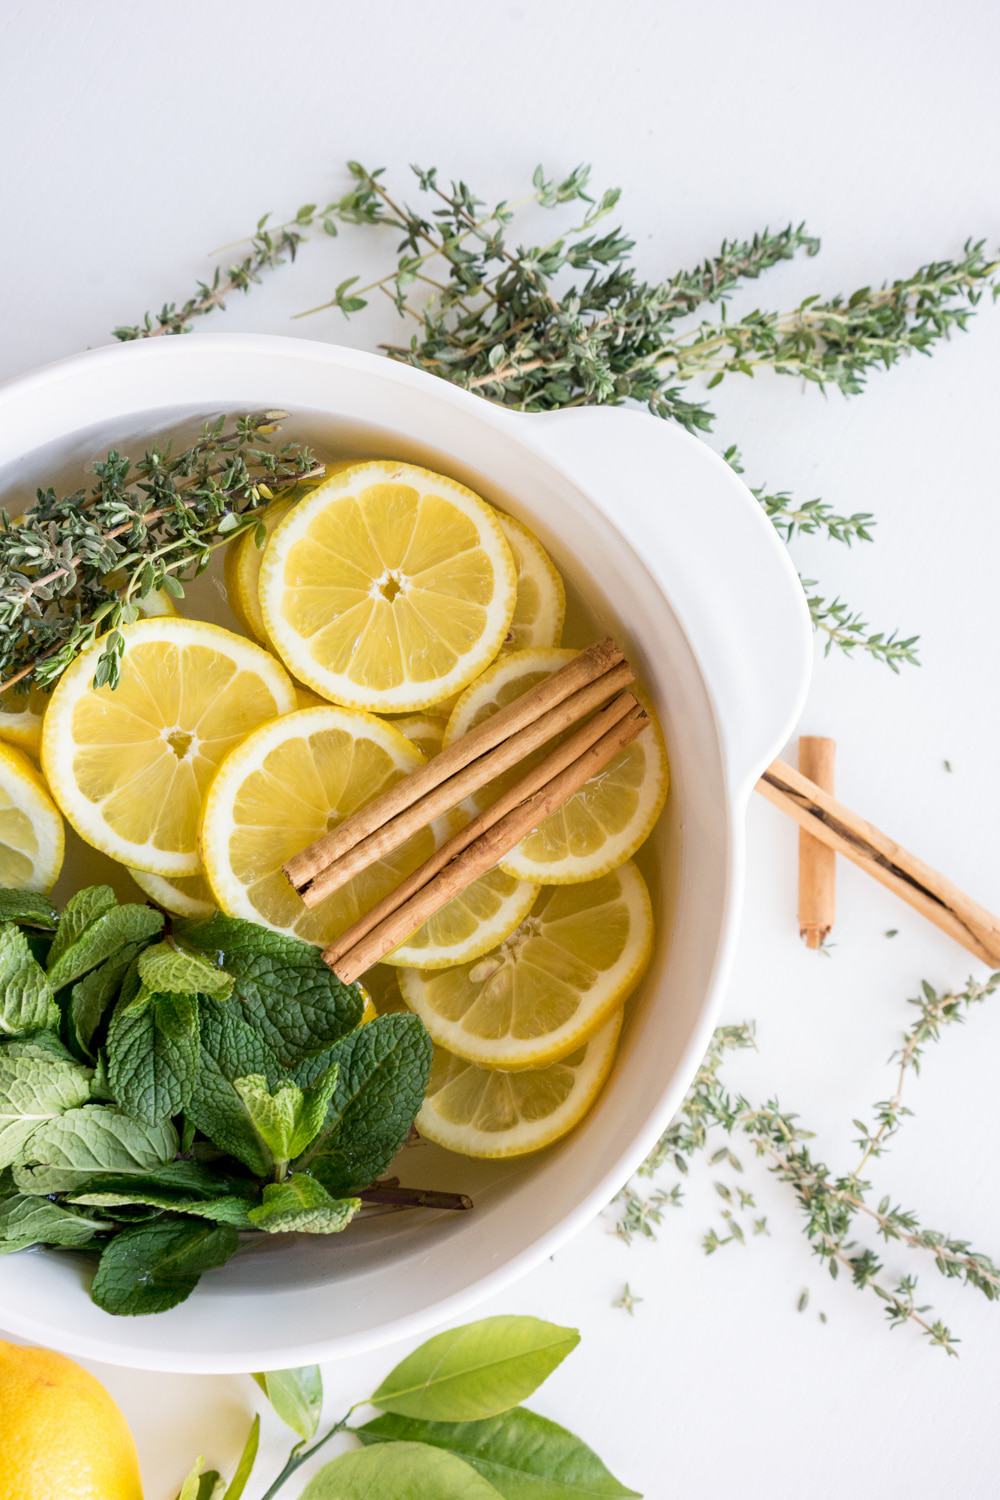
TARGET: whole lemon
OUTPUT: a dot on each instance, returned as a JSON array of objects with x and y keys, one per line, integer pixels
[{"x": 61, "y": 1435}]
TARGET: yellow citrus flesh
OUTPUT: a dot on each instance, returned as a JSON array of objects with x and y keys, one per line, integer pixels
[
  {"x": 129, "y": 766},
  {"x": 185, "y": 895},
  {"x": 21, "y": 717},
  {"x": 540, "y": 608},
  {"x": 574, "y": 960},
  {"x": 425, "y": 731},
  {"x": 489, "y": 1113},
  {"x": 285, "y": 785},
  {"x": 607, "y": 820},
  {"x": 31, "y": 830},
  {"x": 242, "y": 568},
  {"x": 388, "y": 588},
  {"x": 64, "y": 1438},
  {"x": 473, "y": 922}
]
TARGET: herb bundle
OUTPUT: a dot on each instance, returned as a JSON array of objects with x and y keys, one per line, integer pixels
[
  {"x": 450, "y": 1426},
  {"x": 74, "y": 567},
  {"x": 568, "y": 322},
  {"x": 163, "y": 1094},
  {"x": 834, "y": 1206}
]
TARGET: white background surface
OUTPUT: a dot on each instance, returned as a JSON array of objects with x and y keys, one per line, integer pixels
[{"x": 136, "y": 137}]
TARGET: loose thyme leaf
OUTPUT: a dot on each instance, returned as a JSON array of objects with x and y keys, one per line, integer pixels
[
  {"x": 383, "y": 1072},
  {"x": 26, "y": 999},
  {"x": 66, "y": 1152},
  {"x": 153, "y": 1053},
  {"x": 283, "y": 985},
  {"x": 100, "y": 940},
  {"x": 156, "y": 1266},
  {"x": 300, "y": 1205}
]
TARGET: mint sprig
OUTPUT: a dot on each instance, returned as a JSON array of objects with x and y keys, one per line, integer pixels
[{"x": 167, "y": 1090}]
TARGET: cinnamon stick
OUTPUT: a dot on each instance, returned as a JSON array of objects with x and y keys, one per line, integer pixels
[
  {"x": 925, "y": 889},
  {"x": 597, "y": 661},
  {"x": 351, "y": 955},
  {"x": 565, "y": 754},
  {"x": 817, "y": 862},
  {"x": 453, "y": 789}
]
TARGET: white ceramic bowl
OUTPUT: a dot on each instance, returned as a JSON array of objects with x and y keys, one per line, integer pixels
[{"x": 678, "y": 560}]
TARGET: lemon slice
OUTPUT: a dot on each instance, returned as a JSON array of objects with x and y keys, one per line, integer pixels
[
  {"x": 472, "y": 923},
  {"x": 21, "y": 717},
  {"x": 550, "y": 985},
  {"x": 485, "y": 1112},
  {"x": 21, "y": 713},
  {"x": 540, "y": 608},
  {"x": 283, "y": 787},
  {"x": 31, "y": 830},
  {"x": 388, "y": 588},
  {"x": 242, "y": 567},
  {"x": 608, "y": 818},
  {"x": 423, "y": 730},
  {"x": 129, "y": 766},
  {"x": 185, "y": 895}
]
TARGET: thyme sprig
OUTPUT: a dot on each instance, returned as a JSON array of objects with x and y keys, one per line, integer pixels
[
  {"x": 832, "y": 1205},
  {"x": 75, "y": 566},
  {"x": 567, "y": 321}
]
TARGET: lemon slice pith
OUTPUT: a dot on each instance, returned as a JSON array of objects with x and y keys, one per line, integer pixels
[
  {"x": 388, "y": 587},
  {"x": 606, "y": 821},
  {"x": 488, "y": 1113},
  {"x": 284, "y": 786},
  {"x": 31, "y": 830},
  {"x": 129, "y": 765},
  {"x": 574, "y": 960},
  {"x": 185, "y": 895},
  {"x": 540, "y": 609}
]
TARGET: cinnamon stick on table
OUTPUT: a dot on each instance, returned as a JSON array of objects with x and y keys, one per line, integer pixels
[
  {"x": 817, "y": 862},
  {"x": 924, "y": 888},
  {"x": 602, "y": 663},
  {"x": 480, "y": 847}
]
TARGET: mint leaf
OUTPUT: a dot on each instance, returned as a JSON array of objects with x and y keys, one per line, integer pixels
[
  {"x": 301, "y": 1205},
  {"x": 289, "y": 1118},
  {"x": 104, "y": 936},
  {"x": 230, "y": 1049},
  {"x": 26, "y": 1221},
  {"x": 152, "y": 1053},
  {"x": 524, "y": 1456},
  {"x": 296, "y": 1395},
  {"x": 475, "y": 1371},
  {"x": 383, "y": 1070},
  {"x": 296, "y": 1002},
  {"x": 34, "y": 1091},
  {"x": 184, "y": 1187},
  {"x": 28, "y": 909},
  {"x": 64, "y": 1153},
  {"x": 82, "y": 908},
  {"x": 165, "y": 968},
  {"x": 408, "y": 1470},
  {"x": 91, "y": 997},
  {"x": 155, "y": 1266},
  {"x": 26, "y": 1000},
  {"x": 39, "y": 1045}
]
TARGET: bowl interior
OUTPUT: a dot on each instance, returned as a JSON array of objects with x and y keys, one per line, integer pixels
[{"x": 327, "y": 1296}]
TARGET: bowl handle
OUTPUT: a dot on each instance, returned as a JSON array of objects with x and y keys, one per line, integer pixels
[{"x": 721, "y": 563}]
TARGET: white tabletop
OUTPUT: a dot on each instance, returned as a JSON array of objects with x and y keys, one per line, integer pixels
[{"x": 136, "y": 137}]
